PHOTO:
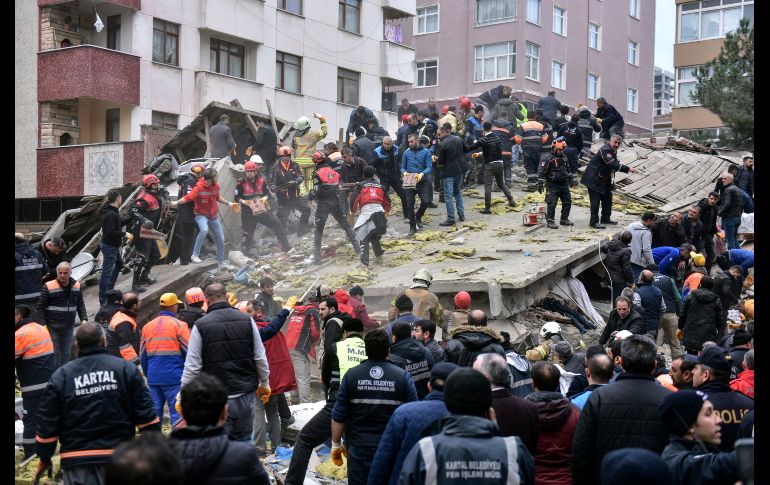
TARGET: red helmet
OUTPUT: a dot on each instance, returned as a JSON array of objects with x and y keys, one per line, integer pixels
[
  {"x": 198, "y": 167},
  {"x": 284, "y": 151},
  {"x": 317, "y": 157},
  {"x": 465, "y": 103},
  {"x": 404, "y": 118},
  {"x": 462, "y": 299},
  {"x": 150, "y": 179},
  {"x": 445, "y": 109},
  {"x": 558, "y": 145},
  {"x": 194, "y": 295},
  {"x": 250, "y": 166}
]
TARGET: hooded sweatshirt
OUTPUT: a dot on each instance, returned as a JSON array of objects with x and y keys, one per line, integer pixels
[
  {"x": 700, "y": 318},
  {"x": 558, "y": 419},
  {"x": 342, "y": 298},
  {"x": 467, "y": 342},
  {"x": 641, "y": 244}
]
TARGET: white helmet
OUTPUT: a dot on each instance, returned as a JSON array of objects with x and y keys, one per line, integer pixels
[
  {"x": 549, "y": 328},
  {"x": 303, "y": 123},
  {"x": 622, "y": 334},
  {"x": 256, "y": 159}
]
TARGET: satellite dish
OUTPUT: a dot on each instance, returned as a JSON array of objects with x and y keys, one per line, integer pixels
[{"x": 82, "y": 265}]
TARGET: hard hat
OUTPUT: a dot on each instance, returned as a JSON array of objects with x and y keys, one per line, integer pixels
[
  {"x": 256, "y": 159},
  {"x": 423, "y": 274},
  {"x": 150, "y": 179},
  {"x": 697, "y": 259},
  {"x": 241, "y": 305},
  {"x": 317, "y": 157},
  {"x": 622, "y": 334},
  {"x": 249, "y": 166},
  {"x": 404, "y": 118},
  {"x": 549, "y": 328},
  {"x": 303, "y": 123},
  {"x": 465, "y": 103},
  {"x": 558, "y": 145},
  {"x": 462, "y": 299},
  {"x": 194, "y": 295},
  {"x": 284, "y": 151},
  {"x": 445, "y": 109},
  {"x": 169, "y": 299},
  {"x": 198, "y": 167}
]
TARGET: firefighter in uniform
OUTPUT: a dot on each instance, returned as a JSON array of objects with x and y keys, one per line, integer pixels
[
  {"x": 550, "y": 332},
  {"x": 287, "y": 179},
  {"x": 599, "y": 179},
  {"x": 326, "y": 191},
  {"x": 254, "y": 186},
  {"x": 122, "y": 335},
  {"x": 35, "y": 362},
  {"x": 556, "y": 173},
  {"x": 371, "y": 224},
  {"x": 148, "y": 210},
  {"x": 531, "y": 135}
]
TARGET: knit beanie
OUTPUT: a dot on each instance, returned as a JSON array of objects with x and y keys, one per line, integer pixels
[
  {"x": 679, "y": 410},
  {"x": 634, "y": 465},
  {"x": 467, "y": 391},
  {"x": 741, "y": 337}
]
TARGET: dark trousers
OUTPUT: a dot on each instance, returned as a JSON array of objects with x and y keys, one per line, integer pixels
[
  {"x": 240, "y": 416},
  {"x": 314, "y": 433},
  {"x": 359, "y": 463},
  {"x": 85, "y": 475},
  {"x": 554, "y": 192},
  {"x": 508, "y": 170},
  {"x": 325, "y": 208},
  {"x": 398, "y": 188},
  {"x": 420, "y": 189},
  {"x": 189, "y": 230},
  {"x": 374, "y": 241},
  {"x": 436, "y": 179},
  {"x": 61, "y": 337},
  {"x": 249, "y": 225},
  {"x": 531, "y": 161},
  {"x": 286, "y": 205},
  {"x": 150, "y": 255},
  {"x": 711, "y": 254},
  {"x": 31, "y": 401},
  {"x": 493, "y": 172},
  {"x": 480, "y": 167},
  {"x": 111, "y": 266},
  {"x": 605, "y": 200},
  {"x": 283, "y": 408}
]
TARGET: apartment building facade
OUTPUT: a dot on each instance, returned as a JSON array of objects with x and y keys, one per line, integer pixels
[
  {"x": 701, "y": 27},
  {"x": 93, "y": 106},
  {"x": 663, "y": 92},
  {"x": 581, "y": 49}
]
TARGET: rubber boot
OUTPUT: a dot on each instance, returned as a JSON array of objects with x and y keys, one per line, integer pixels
[{"x": 136, "y": 284}]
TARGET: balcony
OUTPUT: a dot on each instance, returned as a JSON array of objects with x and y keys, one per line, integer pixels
[
  {"x": 212, "y": 86},
  {"x": 132, "y": 4},
  {"x": 88, "y": 71},
  {"x": 217, "y": 16},
  {"x": 396, "y": 63},
  {"x": 393, "y": 9}
]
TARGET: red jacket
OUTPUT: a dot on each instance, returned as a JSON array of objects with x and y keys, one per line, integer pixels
[
  {"x": 371, "y": 193},
  {"x": 303, "y": 330},
  {"x": 282, "y": 377},
  {"x": 205, "y": 198},
  {"x": 744, "y": 383},
  {"x": 359, "y": 312},
  {"x": 342, "y": 298},
  {"x": 558, "y": 420}
]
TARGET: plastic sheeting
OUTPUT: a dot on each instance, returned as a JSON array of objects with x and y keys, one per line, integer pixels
[
  {"x": 572, "y": 288},
  {"x": 747, "y": 224}
]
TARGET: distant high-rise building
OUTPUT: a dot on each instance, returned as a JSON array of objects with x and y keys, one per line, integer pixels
[{"x": 663, "y": 91}]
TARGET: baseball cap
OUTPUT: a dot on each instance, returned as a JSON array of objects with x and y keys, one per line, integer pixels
[
  {"x": 716, "y": 357},
  {"x": 697, "y": 258},
  {"x": 169, "y": 299}
]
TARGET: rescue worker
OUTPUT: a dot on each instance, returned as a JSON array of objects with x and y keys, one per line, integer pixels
[
  {"x": 412, "y": 356},
  {"x": 570, "y": 131},
  {"x": 611, "y": 121},
  {"x": 60, "y": 300},
  {"x": 286, "y": 181},
  {"x": 163, "y": 350},
  {"x": 372, "y": 223},
  {"x": 265, "y": 145},
  {"x": 326, "y": 191},
  {"x": 359, "y": 117},
  {"x": 304, "y": 140},
  {"x": 90, "y": 406},
  {"x": 448, "y": 116},
  {"x": 122, "y": 334},
  {"x": 302, "y": 333},
  {"x": 35, "y": 361},
  {"x": 587, "y": 125},
  {"x": 462, "y": 301},
  {"x": 505, "y": 131},
  {"x": 531, "y": 136},
  {"x": 550, "y": 332},
  {"x": 387, "y": 163},
  {"x": 426, "y": 304},
  {"x": 416, "y": 160},
  {"x": 251, "y": 187},
  {"x": 29, "y": 271},
  {"x": 494, "y": 166},
  {"x": 369, "y": 394},
  {"x": 53, "y": 251},
  {"x": 193, "y": 310},
  {"x": 598, "y": 178},
  {"x": 148, "y": 211},
  {"x": 112, "y": 303},
  {"x": 559, "y": 173},
  {"x": 185, "y": 217}
]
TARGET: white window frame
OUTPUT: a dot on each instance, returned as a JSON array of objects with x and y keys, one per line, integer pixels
[
  {"x": 563, "y": 77},
  {"x": 417, "y": 20},
  {"x": 512, "y": 62},
  {"x": 742, "y": 4},
  {"x": 425, "y": 68},
  {"x": 494, "y": 21},
  {"x": 527, "y": 57},
  {"x": 637, "y": 4},
  {"x": 635, "y": 107},
  {"x": 633, "y": 46},
  {"x": 678, "y": 81},
  {"x": 539, "y": 17},
  {"x": 563, "y": 10},
  {"x": 598, "y": 86},
  {"x": 598, "y": 36}
]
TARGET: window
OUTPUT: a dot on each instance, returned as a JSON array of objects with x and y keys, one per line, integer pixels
[
  {"x": 685, "y": 86},
  {"x": 593, "y": 86},
  {"x": 493, "y": 11},
  {"x": 533, "y": 11},
  {"x": 633, "y": 52},
  {"x": 112, "y": 125},
  {"x": 631, "y": 100},
  {"x": 712, "y": 19},
  {"x": 288, "y": 72},
  {"x": 350, "y": 15},
  {"x": 427, "y": 73},
  {"x": 633, "y": 8},
  {"x": 347, "y": 86},
  {"x": 495, "y": 61},
  {"x": 165, "y": 120},
  {"x": 113, "y": 32},
  {"x": 293, "y": 6},
  {"x": 427, "y": 20},
  {"x": 559, "y": 21},
  {"x": 557, "y": 74},
  {"x": 532, "y": 62},
  {"x": 165, "y": 42},
  {"x": 594, "y": 36},
  {"x": 226, "y": 58}
]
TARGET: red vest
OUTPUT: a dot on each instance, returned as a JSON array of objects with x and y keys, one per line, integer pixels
[
  {"x": 249, "y": 189},
  {"x": 150, "y": 199},
  {"x": 328, "y": 176}
]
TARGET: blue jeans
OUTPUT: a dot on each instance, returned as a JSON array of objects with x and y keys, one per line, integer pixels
[
  {"x": 61, "y": 337},
  {"x": 111, "y": 266},
  {"x": 730, "y": 225},
  {"x": 240, "y": 416},
  {"x": 636, "y": 270},
  {"x": 204, "y": 223},
  {"x": 453, "y": 187},
  {"x": 166, "y": 394}
]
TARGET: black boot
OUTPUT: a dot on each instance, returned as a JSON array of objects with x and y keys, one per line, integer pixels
[
  {"x": 552, "y": 224},
  {"x": 145, "y": 277},
  {"x": 136, "y": 283}
]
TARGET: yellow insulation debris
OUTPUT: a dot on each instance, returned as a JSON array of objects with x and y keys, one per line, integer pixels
[{"x": 330, "y": 470}]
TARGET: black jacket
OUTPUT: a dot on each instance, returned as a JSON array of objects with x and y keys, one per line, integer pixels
[
  {"x": 618, "y": 262},
  {"x": 106, "y": 312},
  {"x": 651, "y": 298},
  {"x": 413, "y": 357},
  {"x": 634, "y": 323},
  {"x": 363, "y": 147},
  {"x": 670, "y": 292},
  {"x": 467, "y": 342},
  {"x": 708, "y": 216},
  {"x": 29, "y": 272},
  {"x": 51, "y": 259},
  {"x": 376, "y": 134},
  {"x": 572, "y": 133},
  {"x": 609, "y": 116},
  {"x": 190, "y": 315},
  {"x": 664, "y": 234},
  {"x": 550, "y": 106},
  {"x": 598, "y": 173},
  {"x": 210, "y": 457},
  {"x": 505, "y": 130},
  {"x": 731, "y": 203},
  {"x": 692, "y": 462},
  {"x": 560, "y": 122},
  {"x": 556, "y": 169},
  {"x": 92, "y": 405},
  {"x": 388, "y": 164},
  {"x": 491, "y": 97},
  {"x": 450, "y": 156},
  {"x": 744, "y": 179},
  {"x": 728, "y": 289},
  {"x": 185, "y": 213},
  {"x": 285, "y": 182},
  {"x": 587, "y": 125},
  {"x": 265, "y": 144},
  {"x": 271, "y": 306},
  {"x": 491, "y": 147},
  {"x": 701, "y": 318},
  {"x": 112, "y": 234},
  {"x": 731, "y": 405},
  {"x": 694, "y": 232},
  {"x": 621, "y": 415}
]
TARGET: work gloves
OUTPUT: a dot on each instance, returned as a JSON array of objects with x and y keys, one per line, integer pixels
[
  {"x": 540, "y": 186},
  {"x": 290, "y": 302},
  {"x": 263, "y": 393},
  {"x": 337, "y": 452}
]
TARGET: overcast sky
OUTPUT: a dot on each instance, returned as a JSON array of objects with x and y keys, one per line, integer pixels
[{"x": 665, "y": 31}]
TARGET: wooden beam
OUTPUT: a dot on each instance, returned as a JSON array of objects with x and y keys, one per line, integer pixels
[
  {"x": 272, "y": 116},
  {"x": 201, "y": 136},
  {"x": 249, "y": 121},
  {"x": 207, "y": 128},
  {"x": 180, "y": 156}
]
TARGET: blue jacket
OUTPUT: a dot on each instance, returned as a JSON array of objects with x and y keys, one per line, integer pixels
[
  {"x": 742, "y": 257},
  {"x": 162, "y": 368},
  {"x": 692, "y": 462},
  {"x": 651, "y": 299},
  {"x": 403, "y": 431},
  {"x": 409, "y": 318},
  {"x": 388, "y": 166},
  {"x": 666, "y": 257},
  {"x": 416, "y": 161},
  {"x": 30, "y": 269},
  {"x": 580, "y": 400}
]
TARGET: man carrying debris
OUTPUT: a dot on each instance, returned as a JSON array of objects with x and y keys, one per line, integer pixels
[
  {"x": 222, "y": 142},
  {"x": 286, "y": 181},
  {"x": 253, "y": 189},
  {"x": 560, "y": 174},
  {"x": 372, "y": 222},
  {"x": 416, "y": 160},
  {"x": 598, "y": 178},
  {"x": 148, "y": 211},
  {"x": 426, "y": 304},
  {"x": 492, "y": 151}
]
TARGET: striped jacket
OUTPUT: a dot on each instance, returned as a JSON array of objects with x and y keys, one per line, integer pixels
[
  {"x": 58, "y": 305},
  {"x": 163, "y": 349},
  {"x": 122, "y": 339},
  {"x": 35, "y": 358},
  {"x": 30, "y": 269}
]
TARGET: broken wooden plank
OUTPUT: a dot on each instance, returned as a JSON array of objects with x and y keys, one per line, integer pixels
[
  {"x": 272, "y": 117},
  {"x": 468, "y": 273},
  {"x": 249, "y": 121},
  {"x": 507, "y": 250},
  {"x": 534, "y": 228},
  {"x": 207, "y": 128},
  {"x": 201, "y": 136}
]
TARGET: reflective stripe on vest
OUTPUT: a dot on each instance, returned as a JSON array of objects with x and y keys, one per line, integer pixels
[
  {"x": 429, "y": 458},
  {"x": 250, "y": 189},
  {"x": 350, "y": 353},
  {"x": 126, "y": 350},
  {"x": 33, "y": 340},
  {"x": 54, "y": 288},
  {"x": 164, "y": 336},
  {"x": 150, "y": 199}
]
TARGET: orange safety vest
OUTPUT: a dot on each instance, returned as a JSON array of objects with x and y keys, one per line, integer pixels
[
  {"x": 165, "y": 335},
  {"x": 33, "y": 340},
  {"x": 126, "y": 349}
]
